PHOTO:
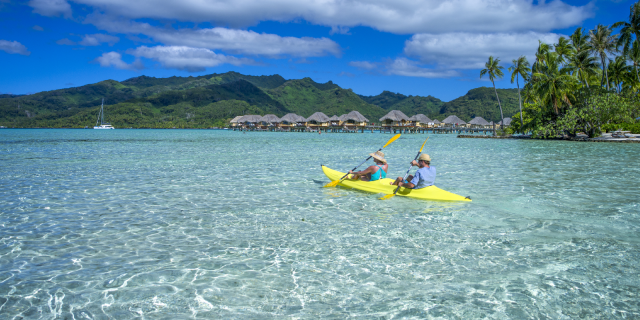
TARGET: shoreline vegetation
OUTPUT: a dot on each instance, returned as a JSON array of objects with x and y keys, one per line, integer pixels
[{"x": 585, "y": 84}]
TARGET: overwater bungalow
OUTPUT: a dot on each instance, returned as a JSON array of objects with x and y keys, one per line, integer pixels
[
  {"x": 234, "y": 121},
  {"x": 421, "y": 121},
  {"x": 395, "y": 118},
  {"x": 453, "y": 121},
  {"x": 354, "y": 119},
  {"x": 291, "y": 120},
  {"x": 318, "y": 120},
  {"x": 249, "y": 120},
  {"x": 507, "y": 122},
  {"x": 268, "y": 120},
  {"x": 437, "y": 123},
  {"x": 478, "y": 122},
  {"x": 335, "y": 121}
]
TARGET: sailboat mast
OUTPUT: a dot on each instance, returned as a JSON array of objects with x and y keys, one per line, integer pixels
[{"x": 102, "y": 112}]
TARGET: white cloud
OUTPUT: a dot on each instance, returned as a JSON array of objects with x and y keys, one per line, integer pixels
[
  {"x": 13, "y": 47},
  {"x": 97, "y": 39},
  {"x": 66, "y": 42},
  {"x": 396, "y": 16},
  {"x": 363, "y": 65},
  {"x": 114, "y": 59},
  {"x": 408, "y": 68},
  {"x": 51, "y": 8},
  {"x": 471, "y": 51},
  {"x": 185, "y": 58},
  {"x": 230, "y": 40}
]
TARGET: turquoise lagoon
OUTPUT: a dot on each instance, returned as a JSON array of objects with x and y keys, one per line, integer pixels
[{"x": 171, "y": 224}]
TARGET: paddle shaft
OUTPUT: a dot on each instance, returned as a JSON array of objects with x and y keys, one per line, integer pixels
[
  {"x": 407, "y": 174},
  {"x": 416, "y": 158}
]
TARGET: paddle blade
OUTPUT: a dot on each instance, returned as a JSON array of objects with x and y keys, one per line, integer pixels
[
  {"x": 387, "y": 197},
  {"x": 392, "y": 140},
  {"x": 425, "y": 142},
  {"x": 332, "y": 184}
]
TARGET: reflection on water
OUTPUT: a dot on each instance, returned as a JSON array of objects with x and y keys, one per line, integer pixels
[{"x": 218, "y": 224}]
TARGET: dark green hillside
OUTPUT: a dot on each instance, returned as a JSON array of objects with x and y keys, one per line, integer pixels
[
  {"x": 384, "y": 100},
  {"x": 413, "y": 105},
  {"x": 482, "y": 102},
  {"x": 304, "y": 97}
]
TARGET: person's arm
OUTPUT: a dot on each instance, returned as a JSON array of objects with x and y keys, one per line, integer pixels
[{"x": 363, "y": 172}]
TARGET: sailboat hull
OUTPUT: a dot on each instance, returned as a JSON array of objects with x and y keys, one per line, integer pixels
[{"x": 104, "y": 126}]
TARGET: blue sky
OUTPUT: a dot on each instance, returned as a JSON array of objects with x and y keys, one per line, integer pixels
[{"x": 413, "y": 47}]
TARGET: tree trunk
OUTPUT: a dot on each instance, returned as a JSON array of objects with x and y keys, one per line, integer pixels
[
  {"x": 604, "y": 72},
  {"x": 520, "y": 100},
  {"x": 499, "y": 105}
]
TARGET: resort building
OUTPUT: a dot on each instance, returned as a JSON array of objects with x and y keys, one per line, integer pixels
[
  {"x": 249, "y": 120},
  {"x": 453, "y": 121},
  {"x": 421, "y": 121},
  {"x": 478, "y": 122},
  {"x": 318, "y": 119},
  {"x": 269, "y": 120},
  {"x": 292, "y": 120},
  {"x": 354, "y": 119},
  {"x": 234, "y": 121},
  {"x": 395, "y": 118},
  {"x": 335, "y": 121},
  {"x": 507, "y": 122}
]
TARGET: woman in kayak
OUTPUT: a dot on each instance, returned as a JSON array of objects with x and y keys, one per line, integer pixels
[
  {"x": 373, "y": 173},
  {"x": 425, "y": 176}
]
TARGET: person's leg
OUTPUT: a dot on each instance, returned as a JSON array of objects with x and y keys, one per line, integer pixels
[
  {"x": 366, "y": 177},
  {"x": 395, "y": 183}
]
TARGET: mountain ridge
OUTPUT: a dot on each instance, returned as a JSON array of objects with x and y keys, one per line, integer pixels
[{"x": 212, "y": 100}]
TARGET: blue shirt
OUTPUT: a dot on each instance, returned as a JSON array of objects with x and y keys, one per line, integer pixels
[{"x": 424, "y": 177}]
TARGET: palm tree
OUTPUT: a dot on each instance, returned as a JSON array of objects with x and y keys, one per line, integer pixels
[
  {"x": 519, "y": 68},
  {"x": 543, "y": 48},
  {"x": 602, "y": 42},
  {"x": 564, "y": 49},
  {"x": 583, "y": 63},
  {"x": 630, "y": 28},
  {"x": 618, "y": 70},
  {"x": 493, "y": 69},
  {"x": 553, "y": 85},
  {"x": 634, "y": 56},
  {"x": 579, "y": 40}
]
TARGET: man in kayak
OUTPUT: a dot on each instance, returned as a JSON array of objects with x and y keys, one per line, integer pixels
[
  {"x": 425, "y": 176},
  {"x": 373, "y": 173}
]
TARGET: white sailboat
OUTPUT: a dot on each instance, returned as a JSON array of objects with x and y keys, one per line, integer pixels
[{"x": 101, "y": 119}]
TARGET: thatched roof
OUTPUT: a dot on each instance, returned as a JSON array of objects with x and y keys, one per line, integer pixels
[
  {"x": 507, "y": 121},
  {"x": 395, "y": 115},
  {"x": 235, "y": 120},
  {"x": 453, "y": 120},
  {"x": 479, "y": 121},
  {"x": 355, "y": 116},
  {"x": 436, "y": 121},
  {"x": 292, "y": 118},
  {"x": 250, "y": 118},
  {"x": 318, "y": 117},
  {"x": 342, "y": 117},
  {"x": 420, "y": 118},
  {"x": 334, "y": 118},
  {"x": 270, "y": 118}
]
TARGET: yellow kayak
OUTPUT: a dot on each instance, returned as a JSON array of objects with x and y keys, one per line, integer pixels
[{"x": 383, "y": 186}]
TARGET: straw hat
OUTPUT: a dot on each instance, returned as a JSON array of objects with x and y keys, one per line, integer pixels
[
  {"x": 379, "y": 155},
  {"x": 424, "y": 157}
]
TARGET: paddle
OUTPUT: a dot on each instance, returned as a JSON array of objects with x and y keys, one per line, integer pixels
[
  {"x": 389, "y": 196},
  {"x": 335, "y": 183}
]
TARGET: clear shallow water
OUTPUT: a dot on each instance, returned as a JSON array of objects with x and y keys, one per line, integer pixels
[{"x": 214, "y": 224}]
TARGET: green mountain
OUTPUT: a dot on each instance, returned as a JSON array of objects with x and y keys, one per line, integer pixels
[{"x": 212, "y": 100}]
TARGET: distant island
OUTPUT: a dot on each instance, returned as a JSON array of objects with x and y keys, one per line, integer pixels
[{"x": 212, "y": 100}]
